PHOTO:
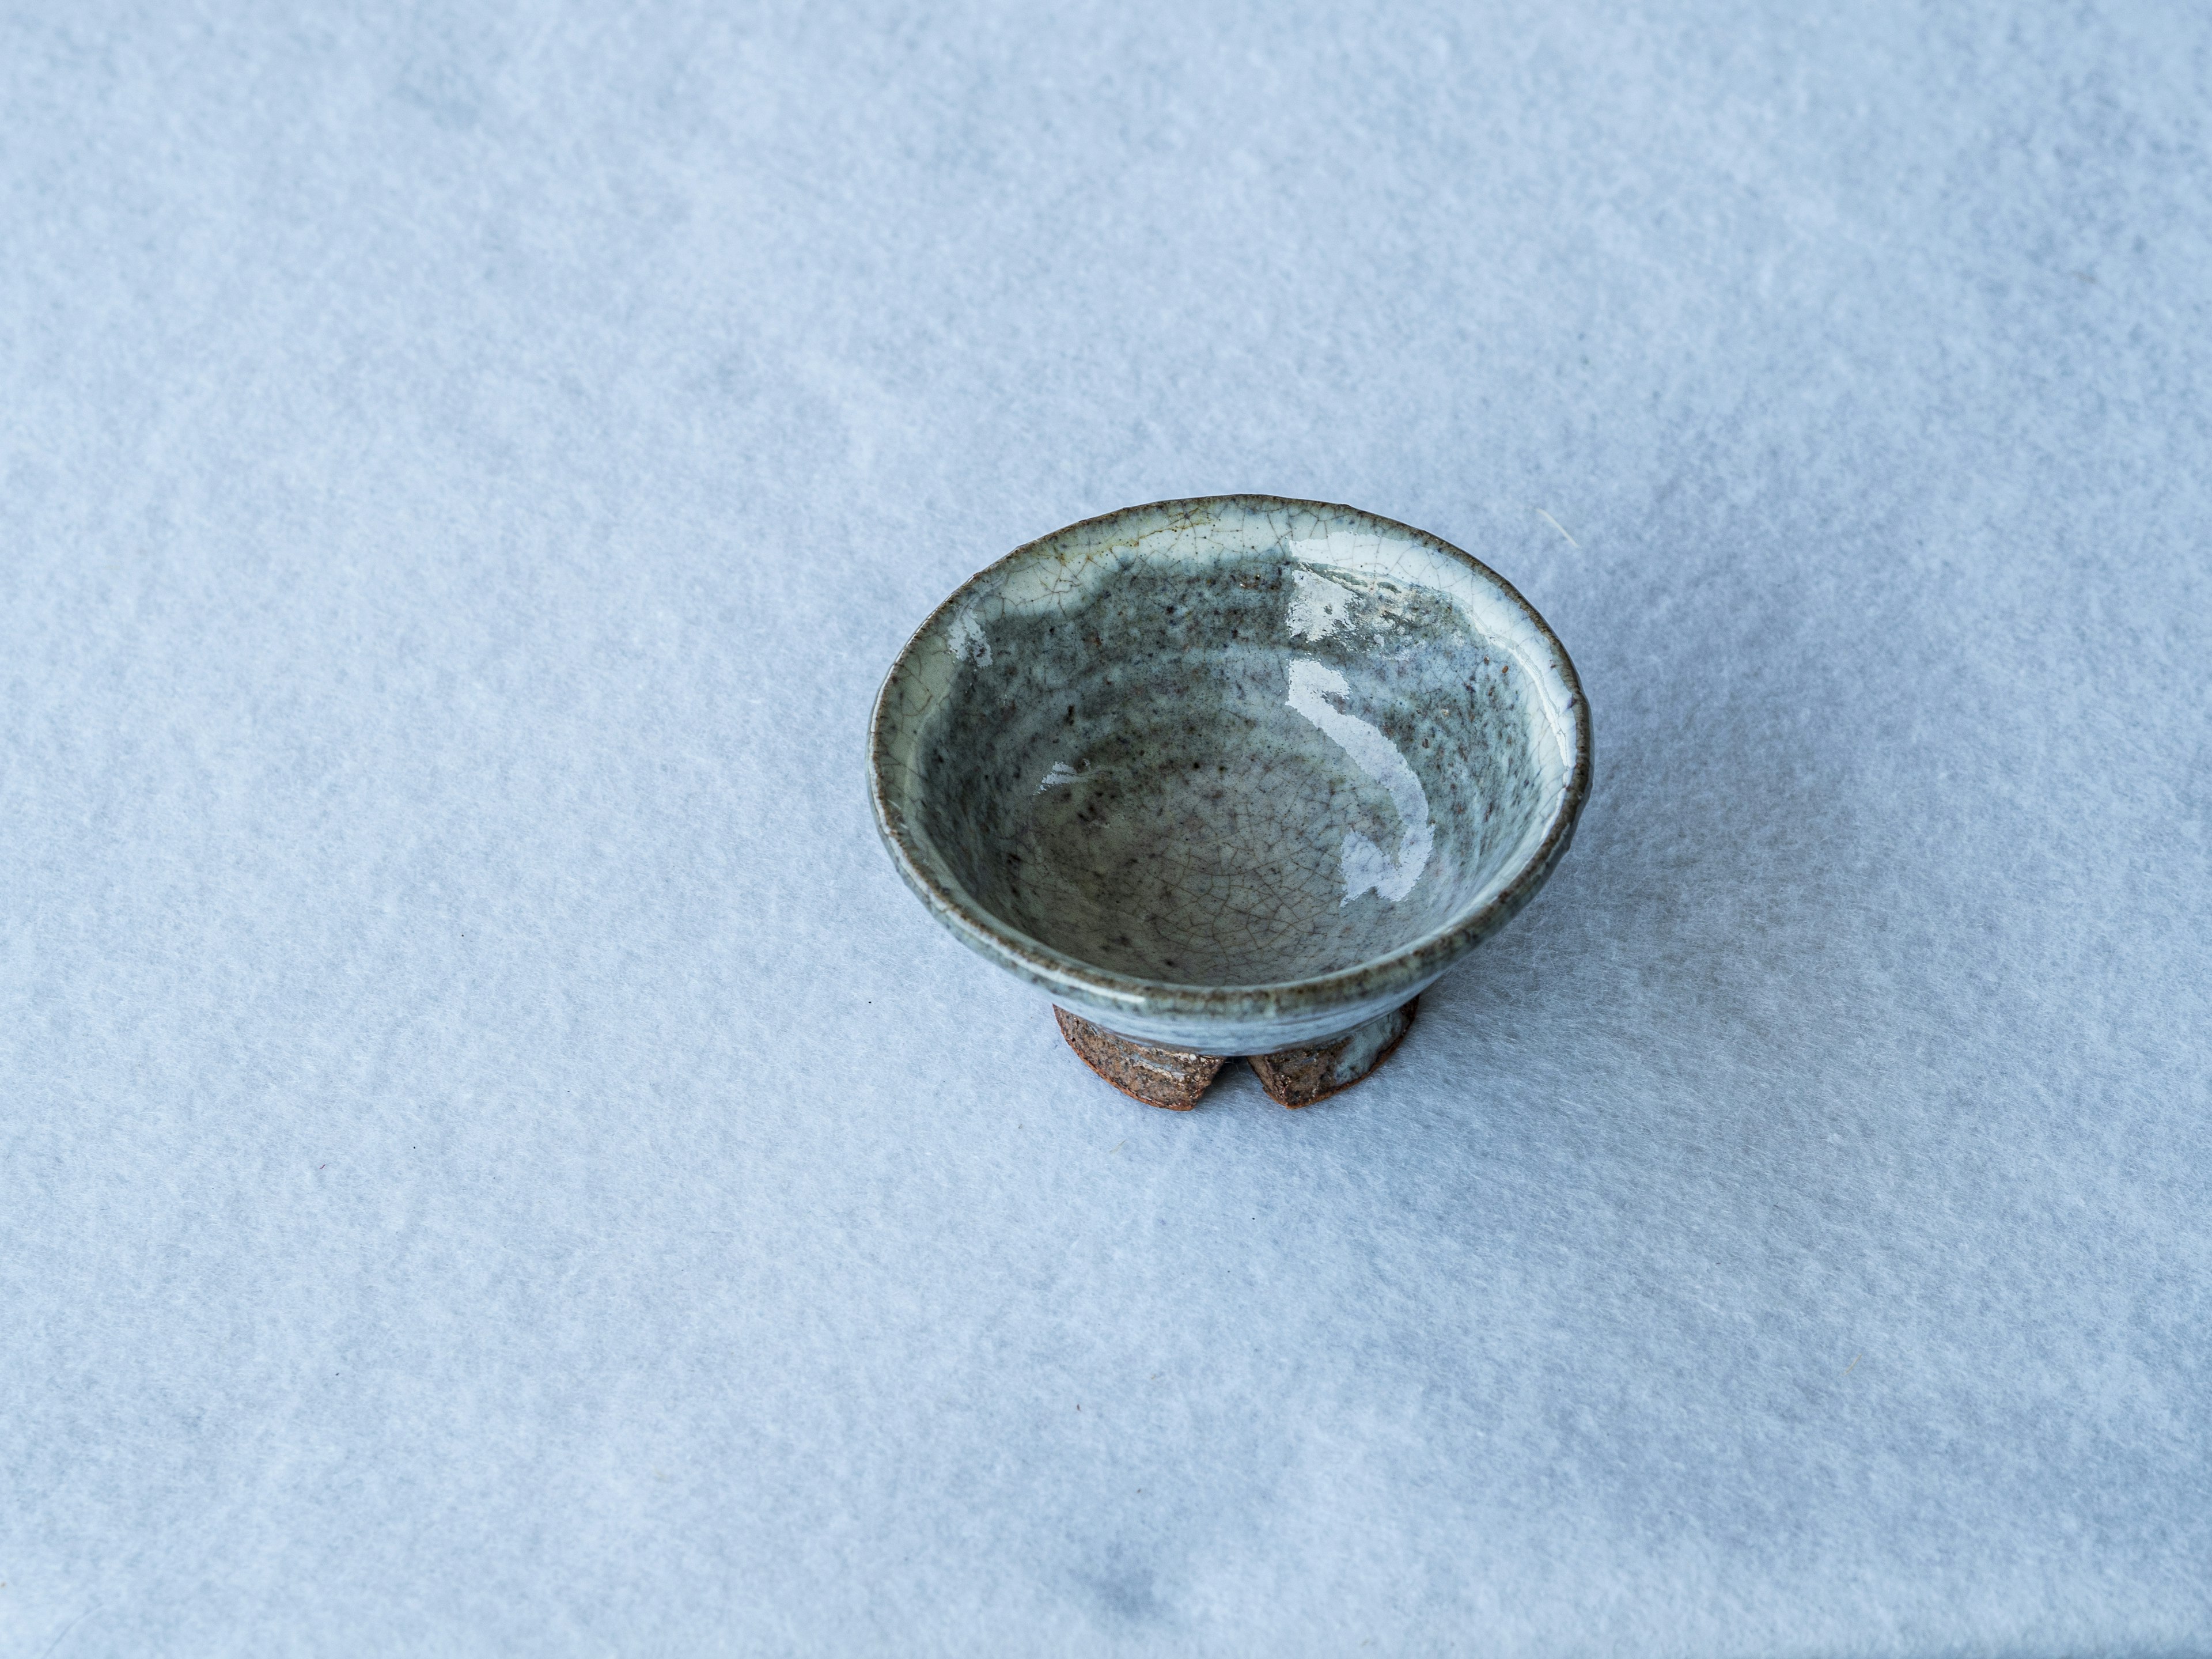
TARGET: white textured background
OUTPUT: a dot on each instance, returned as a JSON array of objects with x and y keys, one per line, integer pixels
[{"x": 496, "y": 1163}]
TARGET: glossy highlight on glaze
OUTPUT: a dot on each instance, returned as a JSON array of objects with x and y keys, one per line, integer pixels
[{"x": 1365, "y": 868}]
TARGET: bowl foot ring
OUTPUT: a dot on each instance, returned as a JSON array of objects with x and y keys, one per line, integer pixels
[{"x": 1174, "y": 1079}]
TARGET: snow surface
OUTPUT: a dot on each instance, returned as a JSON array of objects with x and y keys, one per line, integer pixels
[{"x": 492, "y": 1161}]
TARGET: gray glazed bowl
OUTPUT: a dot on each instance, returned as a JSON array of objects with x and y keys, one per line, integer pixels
[{"x": 1233, "y": 773}]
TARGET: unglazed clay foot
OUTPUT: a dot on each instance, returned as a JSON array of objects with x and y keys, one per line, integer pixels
[
  {"x": 1172, "y": 1078},
  {"x": 1175, "y": 1077},
  {"x": 1301, "y": 1076}
]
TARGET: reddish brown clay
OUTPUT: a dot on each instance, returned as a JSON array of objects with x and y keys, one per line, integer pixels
[
  {"x": 1174, "y": 1078},
  {"x": 1169, "y": 1077},
  {"x": 1299, "y": 1077}
]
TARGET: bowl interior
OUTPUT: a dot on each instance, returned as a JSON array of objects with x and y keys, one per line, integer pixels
[{"x": 1213, "y": 750}]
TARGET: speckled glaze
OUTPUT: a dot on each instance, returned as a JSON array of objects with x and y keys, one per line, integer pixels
[{"x": 1231, "y": 774}]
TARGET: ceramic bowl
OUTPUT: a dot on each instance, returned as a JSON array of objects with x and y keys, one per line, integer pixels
[{"x": 1236, "y": 775}]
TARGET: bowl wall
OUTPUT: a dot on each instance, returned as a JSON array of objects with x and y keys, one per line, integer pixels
[{"x": 1227, "y": 766}]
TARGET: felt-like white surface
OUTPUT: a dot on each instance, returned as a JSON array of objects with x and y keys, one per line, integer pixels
[{"x": 495, "y": 1162}]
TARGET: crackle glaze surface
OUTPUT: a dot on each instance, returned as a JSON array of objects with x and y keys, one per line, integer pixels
[{"x": 1234, "y": 772}]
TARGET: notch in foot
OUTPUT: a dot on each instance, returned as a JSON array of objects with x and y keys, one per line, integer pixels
[{"x": 1174, "y": 1079}]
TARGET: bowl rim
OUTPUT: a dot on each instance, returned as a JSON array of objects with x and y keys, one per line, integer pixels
[{"x": 1408, "y": 968}]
